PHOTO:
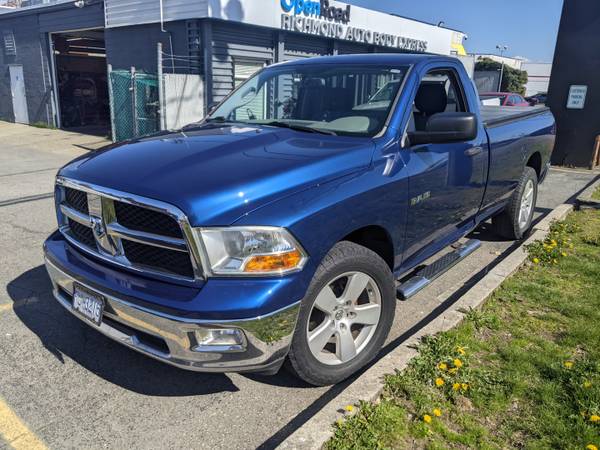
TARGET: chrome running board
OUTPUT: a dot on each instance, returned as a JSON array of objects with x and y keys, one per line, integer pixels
[{"x": 426, "y": 275}]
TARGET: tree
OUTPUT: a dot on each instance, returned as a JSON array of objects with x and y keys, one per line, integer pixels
[{"x": 513, "y": 80}]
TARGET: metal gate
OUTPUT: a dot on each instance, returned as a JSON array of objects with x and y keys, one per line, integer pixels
[{"x": 134, "y": 104}]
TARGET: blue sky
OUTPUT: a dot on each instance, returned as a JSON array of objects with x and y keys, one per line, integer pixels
[{"x": 528, "y": 27}]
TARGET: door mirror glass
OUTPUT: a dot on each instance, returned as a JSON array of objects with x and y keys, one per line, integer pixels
[{"x": 444, "y": 128}]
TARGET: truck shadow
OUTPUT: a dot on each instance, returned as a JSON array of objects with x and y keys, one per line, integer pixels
[{"x": 64, "y": 336}]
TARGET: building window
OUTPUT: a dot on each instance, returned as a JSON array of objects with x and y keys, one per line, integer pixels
[
  {"x": 10, "y": 47},
  {"x": 256, "y": 108},
  {"x": 242, "y": 70}
]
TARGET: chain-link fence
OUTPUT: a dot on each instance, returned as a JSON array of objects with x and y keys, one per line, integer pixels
[{"x": 134, "y": 104}]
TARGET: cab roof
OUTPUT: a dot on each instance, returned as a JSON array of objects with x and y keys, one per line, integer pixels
[{"x": 372, "y": 58}]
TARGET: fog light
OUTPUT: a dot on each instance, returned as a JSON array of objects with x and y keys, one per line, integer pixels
[{"x": 219, "y": 340}]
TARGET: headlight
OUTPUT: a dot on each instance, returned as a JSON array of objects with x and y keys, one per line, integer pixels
[{"x": 251, "y": 250}]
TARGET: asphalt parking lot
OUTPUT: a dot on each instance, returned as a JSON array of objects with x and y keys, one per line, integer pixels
[{"x": 63, "y": 385}]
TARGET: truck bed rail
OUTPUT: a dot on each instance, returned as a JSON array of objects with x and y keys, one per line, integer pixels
[{"x": 493, "y": 116}]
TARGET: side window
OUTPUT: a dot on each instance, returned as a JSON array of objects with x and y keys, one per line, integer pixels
[{"x": 438, "y": 92}]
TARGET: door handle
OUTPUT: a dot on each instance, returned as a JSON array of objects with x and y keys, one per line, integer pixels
[{"x": 473, "y": 151}]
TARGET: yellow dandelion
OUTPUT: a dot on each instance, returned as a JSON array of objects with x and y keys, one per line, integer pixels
[
  {"x": 457, "y": 363},
  {"x": 568, "y": 364},
  {"x": 536, "y": 260},
  {"x": 349, "y": 408},
  {"x": 564, "y": 254},
  {"x": 554, "y": 261},
  {"x": 587, "y": 384},
  {"x": 453, "y": 371},
  {"x": 591, "y": 447},
  {"x": 594, "y": 418},
  {"x": 456, "y": 386},
  {"x": 464, "y": 386},
  {"x": 427, "y": 418},
  {"x": 554, "y": 243},
  {"x": 443, "y": 366},
  {"x": 439, "y": 382},
  {"x": 461, "y": 351},
  {"x": 437, "y": 412}
]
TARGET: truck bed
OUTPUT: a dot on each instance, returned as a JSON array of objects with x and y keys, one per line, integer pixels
[{"x": 493, "y": 116}]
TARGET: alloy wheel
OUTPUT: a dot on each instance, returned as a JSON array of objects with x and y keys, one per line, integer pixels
[
  {"x": 526, "y": 205},
  {"x": 344, "y": 318}
]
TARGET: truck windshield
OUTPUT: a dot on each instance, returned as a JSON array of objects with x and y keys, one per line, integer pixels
[{"x": 322, "y": 98}]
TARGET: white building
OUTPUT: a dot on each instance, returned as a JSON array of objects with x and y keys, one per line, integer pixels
[
  {"x": 515, "y": 63},
  {"x": 538, "y": 77}
]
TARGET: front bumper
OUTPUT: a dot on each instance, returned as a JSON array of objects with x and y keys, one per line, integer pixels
[{"x": 172, "y": 339}]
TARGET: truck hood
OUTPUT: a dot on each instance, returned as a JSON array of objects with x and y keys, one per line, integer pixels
[{"x": 217, "y": 173}]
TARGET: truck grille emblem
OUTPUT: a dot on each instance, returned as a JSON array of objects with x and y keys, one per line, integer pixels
[{"x": 98, "y": 227}]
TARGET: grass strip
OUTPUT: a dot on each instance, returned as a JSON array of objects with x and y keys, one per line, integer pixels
[{"x": 521, "y": 372}]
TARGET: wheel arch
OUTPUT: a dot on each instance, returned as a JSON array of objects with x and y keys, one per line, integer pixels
[
  {"x": 377, "y": 239},
  {"x": 535, "y": 162}
]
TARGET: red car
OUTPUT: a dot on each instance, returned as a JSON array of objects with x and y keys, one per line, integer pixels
[{"x": 505, "y": 98}]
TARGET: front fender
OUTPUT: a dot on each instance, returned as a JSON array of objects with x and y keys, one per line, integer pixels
[{"x": 323, "y": 215}]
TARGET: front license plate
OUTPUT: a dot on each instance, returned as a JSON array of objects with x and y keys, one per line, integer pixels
[{"x": 88, "y": 304}]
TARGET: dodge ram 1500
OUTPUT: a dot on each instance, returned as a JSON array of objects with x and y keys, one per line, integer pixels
[{"x": 276, "y": 229}]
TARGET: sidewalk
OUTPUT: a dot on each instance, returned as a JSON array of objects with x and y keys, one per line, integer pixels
[
  {"x": 30, "y": 157},
  {"x": 48, "y": 139}
]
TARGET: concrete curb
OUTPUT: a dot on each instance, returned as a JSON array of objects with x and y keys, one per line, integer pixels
[
  {"x": 585, "y": 200},
  {"x": 368, "y": 387}
]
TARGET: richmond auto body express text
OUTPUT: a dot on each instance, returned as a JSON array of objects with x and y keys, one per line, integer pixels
[{"x": 331, "y": 22}]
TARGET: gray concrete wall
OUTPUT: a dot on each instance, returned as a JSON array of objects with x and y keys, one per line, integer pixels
[
  {"x": 30, "y": 56},
  {"x": 576, "y": 62}
]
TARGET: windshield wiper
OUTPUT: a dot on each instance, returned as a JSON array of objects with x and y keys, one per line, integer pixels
[
  {"x": 217, "y": 119},
  {"x": 276, "y": 123},
  {"x": 211, "y": 120}
]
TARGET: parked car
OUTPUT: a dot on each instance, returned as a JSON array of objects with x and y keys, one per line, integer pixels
[
  {"x": 506, "y": 98},
  {"x": 538, "y": 99},
  {"x": 277, "y": 228}
]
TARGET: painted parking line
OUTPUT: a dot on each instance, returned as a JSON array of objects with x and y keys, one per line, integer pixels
[{"x": 15, "y": 432}]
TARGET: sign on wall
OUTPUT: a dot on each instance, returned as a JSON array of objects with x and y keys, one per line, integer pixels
[
  {"x": 320, "y": 18},
  {"x": 577, "y": 94}
]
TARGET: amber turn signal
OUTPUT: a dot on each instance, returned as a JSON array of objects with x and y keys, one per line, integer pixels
[{"x": 271, "y": 263}]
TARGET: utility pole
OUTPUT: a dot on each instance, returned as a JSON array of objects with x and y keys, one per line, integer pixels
[{"x": 502, "y": 49}]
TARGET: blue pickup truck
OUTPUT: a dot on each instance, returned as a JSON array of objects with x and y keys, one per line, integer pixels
[{"x": 276, "y": 230}]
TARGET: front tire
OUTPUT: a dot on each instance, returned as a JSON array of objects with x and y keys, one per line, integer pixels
[
  {"x": 515, "y": 221},
  {"x": 345, "y": 317}
]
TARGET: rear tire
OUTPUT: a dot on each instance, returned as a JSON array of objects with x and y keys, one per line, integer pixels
[
  {"x": 345, "y": 317},
  {"x": 515, "y": 221}
]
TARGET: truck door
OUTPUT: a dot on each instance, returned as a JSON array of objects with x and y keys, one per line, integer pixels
[{"x": 446, "y": 180}]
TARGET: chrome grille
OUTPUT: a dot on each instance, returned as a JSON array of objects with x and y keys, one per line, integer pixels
[
  {"x": 150, "y": 256},
  {"x": 83, "y": 234},
  {"x": 127, "y": 230},
  {"x": 77, "y": 200},
  {"x": 143, "y": 219}
]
